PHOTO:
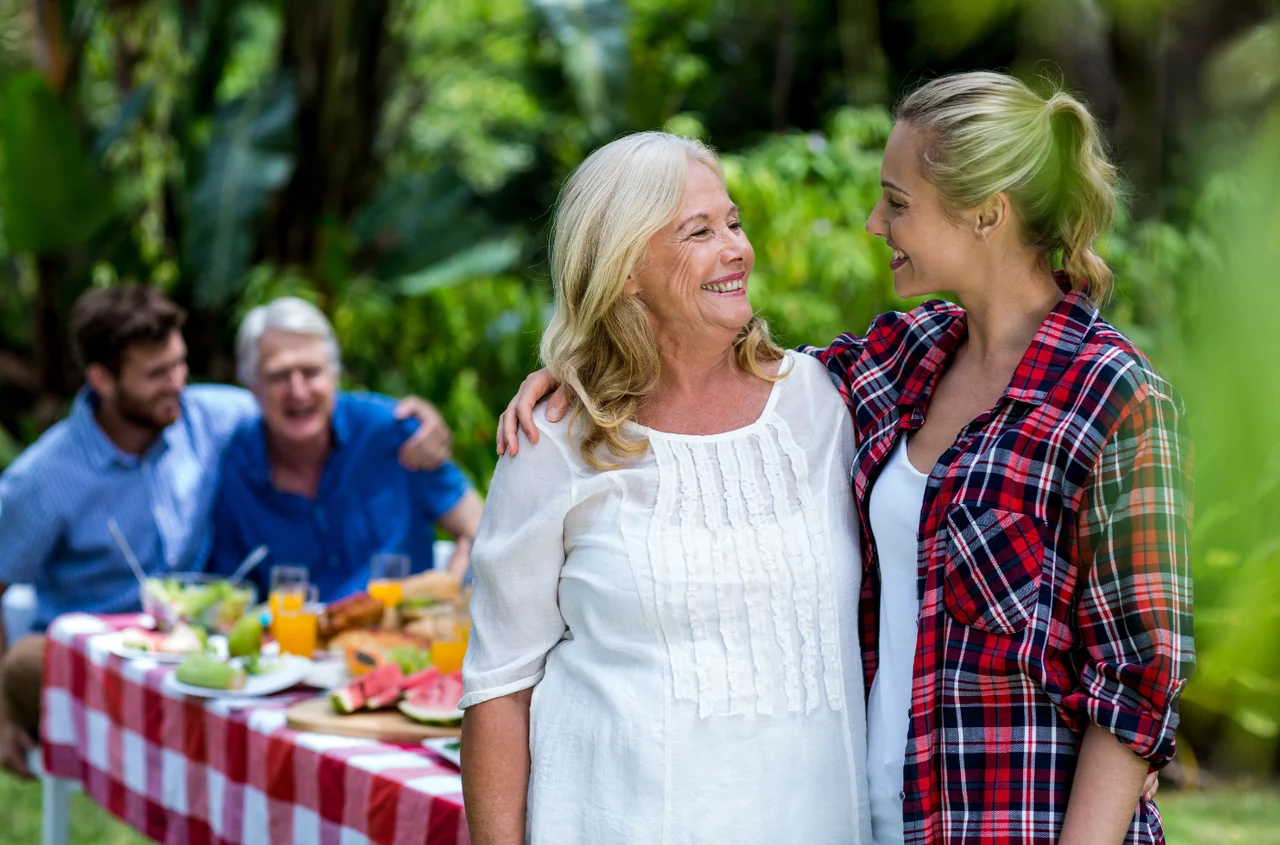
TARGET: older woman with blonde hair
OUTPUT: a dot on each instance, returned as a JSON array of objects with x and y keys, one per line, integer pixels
[
  {"x": 1022, "y": 478},
  {"x": 664, "y": 644}
]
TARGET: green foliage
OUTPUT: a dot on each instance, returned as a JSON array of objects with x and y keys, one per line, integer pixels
[
  {"x": 805, "y": 201},
  {"x": 246, "y": 160},
  {"x": 52, "y": 198},
  {"x": 1201, "y": 300},
  {"x": 463, "y": 94},
  {"x": 592, "y": 36}
]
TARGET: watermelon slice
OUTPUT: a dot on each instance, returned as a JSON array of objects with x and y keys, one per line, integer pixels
[
  {"x": 428, "y": 676},
  {"x": 435, "y": 702},
  {"x": 382, "y": 686},
  {"x": 347, "y": 699}
]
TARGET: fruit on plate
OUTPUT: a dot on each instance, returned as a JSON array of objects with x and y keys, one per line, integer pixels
[
  {"x": 379, "y": 688},
  {"x": 434, "y": 700},
  {"x": 201, "y": 670},
  {"x": 183, "y": 639},
  {"x": 410, "y": 659},
  {"x": 428, "y": 676},
  {"x": 366, "y": 650},
  {"x": 429, "y": 695},
  {"x": 245, "y": 639},
  {"x": 388, "y": 691}
]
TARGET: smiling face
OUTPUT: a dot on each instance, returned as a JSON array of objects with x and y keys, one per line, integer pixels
[
  {"x": 694, "y": 280},
  {"x": 296, "y": 385},
  {"x": 932, "y": 251},
  {"x": 148, "y": 390}
]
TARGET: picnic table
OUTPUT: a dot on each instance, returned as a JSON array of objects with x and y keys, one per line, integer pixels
[{"x": 192, "y": 771}]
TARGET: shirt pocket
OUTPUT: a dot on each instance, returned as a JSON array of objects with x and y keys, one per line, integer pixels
[{"x": 993, "y": 568}]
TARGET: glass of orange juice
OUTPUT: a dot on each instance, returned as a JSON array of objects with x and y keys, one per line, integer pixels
[
  {"x": 449, "y": 645},
  {"x": 386, "y": 571},
  {"x": 295, "y": 624},
  {"x": 286, "y": 580}
]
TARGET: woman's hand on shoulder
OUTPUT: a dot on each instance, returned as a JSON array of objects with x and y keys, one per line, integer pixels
[{"x": 519, "y": 412}]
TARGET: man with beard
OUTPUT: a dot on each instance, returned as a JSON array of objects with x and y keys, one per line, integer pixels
[{"x": 139, "y": 447}]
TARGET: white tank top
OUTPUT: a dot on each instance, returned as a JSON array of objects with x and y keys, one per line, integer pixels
[{"x": 896, "y": 501}]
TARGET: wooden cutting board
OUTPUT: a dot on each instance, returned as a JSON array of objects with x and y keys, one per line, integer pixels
[{"x": 317, "y": 715}]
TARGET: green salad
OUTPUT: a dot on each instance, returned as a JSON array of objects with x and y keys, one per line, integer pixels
[{"x": 213, "y": 605}]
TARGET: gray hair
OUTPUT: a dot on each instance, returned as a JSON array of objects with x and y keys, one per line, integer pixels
[{"x": 287, "y": 314}]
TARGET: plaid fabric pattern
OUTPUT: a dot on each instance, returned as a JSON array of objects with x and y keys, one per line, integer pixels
[
  {"x": 188, "y": 771},
  {"x": 1054, "y": 576}
]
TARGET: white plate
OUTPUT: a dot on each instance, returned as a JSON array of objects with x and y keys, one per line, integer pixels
[
  {"x": 290, "y": 669},
  {"x": 448, "y": 747},
  {"x": 114, "y": 643}
]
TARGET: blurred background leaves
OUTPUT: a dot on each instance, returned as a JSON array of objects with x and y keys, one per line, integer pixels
[{"x": 394, "y": 161}]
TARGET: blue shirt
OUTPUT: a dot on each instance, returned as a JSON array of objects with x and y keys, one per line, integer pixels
[
  {"x": 366, "y": 503},
  {"x": 56, "y": 498}
]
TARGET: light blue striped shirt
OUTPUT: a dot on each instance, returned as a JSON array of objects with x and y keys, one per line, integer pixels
[{"x": 56, "y": 498}]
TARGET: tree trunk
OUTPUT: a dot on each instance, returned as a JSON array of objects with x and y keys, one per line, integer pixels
[
  {"x": 334, "y": 49},
  {"x": 55, "y": 367},
  {"x": 785, "y": 64},
  {"x": 858, "y": 24}
]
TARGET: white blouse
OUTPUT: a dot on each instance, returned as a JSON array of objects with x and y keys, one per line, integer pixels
[{"x": 688, "y": 624}]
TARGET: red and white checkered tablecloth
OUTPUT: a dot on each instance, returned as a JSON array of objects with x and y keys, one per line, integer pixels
[{"x": 192, "y": 771}]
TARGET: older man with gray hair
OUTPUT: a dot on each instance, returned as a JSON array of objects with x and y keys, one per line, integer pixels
[{"x": 314, "y": 475}]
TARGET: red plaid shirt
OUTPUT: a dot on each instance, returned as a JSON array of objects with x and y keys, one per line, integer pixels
[{"x": 1054, "y": 581}]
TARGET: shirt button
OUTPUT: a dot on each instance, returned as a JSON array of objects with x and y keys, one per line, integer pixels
[{"x": 902, "y": 796}]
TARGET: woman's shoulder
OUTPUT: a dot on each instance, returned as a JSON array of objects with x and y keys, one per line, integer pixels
[
  {"x": 806, "y": 373},
  {"x": 810, "y": 397},
  {"x": 554, "y": 448},
  {"x": 1112, "y": 365}
]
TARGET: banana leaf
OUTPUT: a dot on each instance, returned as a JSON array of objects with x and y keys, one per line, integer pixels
[
  {"x": 52, "y": 197},
  {"x": 247, "y": 160}
]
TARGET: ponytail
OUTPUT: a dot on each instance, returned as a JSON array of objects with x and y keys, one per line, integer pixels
[{"x": 1087, "y": 193}]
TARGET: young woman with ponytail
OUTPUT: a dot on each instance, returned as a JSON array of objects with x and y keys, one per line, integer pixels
[{"x": 1022, "y": 476}]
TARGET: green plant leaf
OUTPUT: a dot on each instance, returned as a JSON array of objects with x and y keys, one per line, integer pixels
[
  {"x": 52, "y": 197},
  {"x": 131, "y": 111},
  {"x": 248, "y": 158},
  {"x": 418, "y": 221},
  {"x": 594, "y": 53},
  {"x": 487, "y": 258}
]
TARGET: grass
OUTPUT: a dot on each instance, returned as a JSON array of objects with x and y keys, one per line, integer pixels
[
  {"x": 1223, "y": 816},
  {"x": 90, "y": 824}
]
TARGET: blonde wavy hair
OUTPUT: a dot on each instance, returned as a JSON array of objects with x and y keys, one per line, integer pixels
[
  {"x": 988, "y": 132},
  {"x": 600, "y": 343}
]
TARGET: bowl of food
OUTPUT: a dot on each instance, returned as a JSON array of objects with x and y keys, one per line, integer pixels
[{"x": 196, "y": 599}]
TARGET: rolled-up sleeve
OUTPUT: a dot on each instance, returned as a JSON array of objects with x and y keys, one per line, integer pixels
[
  {"x": 517, "y": 557},
  {"x": 29, "y": 529},
  {"x": 1134, "y": 616}
]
